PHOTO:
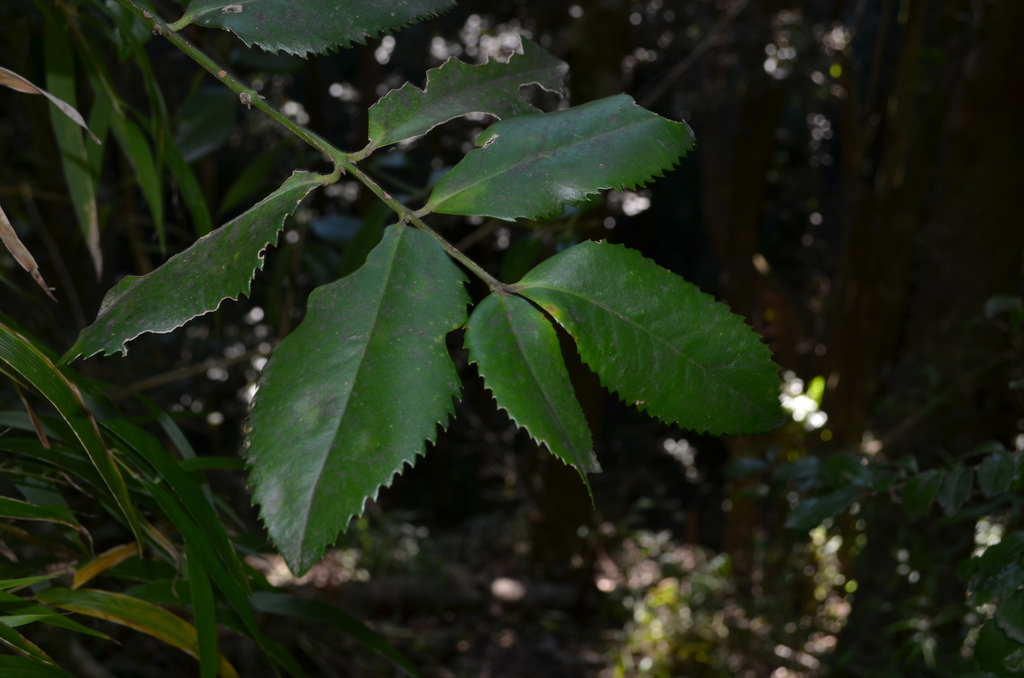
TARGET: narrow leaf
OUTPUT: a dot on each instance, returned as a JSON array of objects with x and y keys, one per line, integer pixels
[
  {"x": 20, "y": 510},
  {"x": 328, "y": 433},
  {"x": 136, "y": 614},
  {"x": 16, "y": 605},
  {"x": 91, "y": 569},
  {"x": 955, "y": 489},
  {"x": 38, "y": 369},
  {"x": 190, "y": 189},
  {"x": 21, "y": 644},
  {"x": 21, "y": 253},
  {"x": 532, "y": 165},
  {"x": 455, "y": 89},
  {"x": 312, "y": 26},
  {"x": 322, "y": 613},
  {"x": 60, "y": 79},
  {"x": 657, "y": 340},
  {"x": 204, "y": 611},
  {"x": 23, "y": 667},
  {"x": 919, "y": 493},
  {"x": 136, "y": 148},
  {"x": 20, "y": 84},
  {"x": 811, "y": 512},
  {"x": 995, "y": 475},
  {"x": 216, "y": 267},
  {"x": 518, "y": 355}
]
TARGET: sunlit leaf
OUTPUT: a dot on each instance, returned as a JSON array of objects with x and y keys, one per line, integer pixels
[
  {"x": 657, "y": 340},
  {"x": 532, "y": 165},
  {"x": 216, "y": 267},
  {"x": 311, "y": 26},
  {"x": 328, "y": 433},
  {"x": 517, "y": 353},
  {"x": 133, "y": 613},
  {"x": 455, "y": 89}
]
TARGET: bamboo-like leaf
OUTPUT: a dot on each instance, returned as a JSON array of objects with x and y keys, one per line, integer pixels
[
  {"x": 24, "y": 645},
  {"x": 216, "y": 267},
  {"x": 133, "y": 613},
  {"x": 20, "y": 253},
  {"x": 311, "y": 26},
  {"x": 17, "y": 606},
  {"x": 455, "y": 89},
  {"x": 21, "y": 510},
  {"x": 518, "y": 355},
  {"x": 60, "y": 79},
  {"x": 657, "y": 340},
  {"x": 204, "y": 612},
  {"x": 136, "y": 148},
  {"x": 328, "y": 433},
  {"x": 20, "y": 84},
  {"x": 38, "y": 369},
  {"x": 23, "y": 667},
  {"x": 532, "y": 165},
  {"x": 94, "y": 567}
]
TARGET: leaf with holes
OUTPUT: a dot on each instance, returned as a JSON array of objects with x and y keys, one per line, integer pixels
[
  {"x": 517, "y": 352},
  {"x": 455, "y": 89},
  {"x": 218, "y": 266},
  {"x": 310, "y": 26},
  {"x": 351, "y": 395},
  {"x": 657, "y": 340},
  {"x": 532, "y": 165}
]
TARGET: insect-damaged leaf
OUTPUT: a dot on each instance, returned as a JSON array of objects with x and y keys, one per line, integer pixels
[
  {"x": 532, "y": 165},
  {"x": 517, "y": 352},
  {"x": 657, "y": 340},
  {"x": 309, "y": 26},
  {"x": 351, "y": 395},
  {"x": 455, "y": 89},
  {"x": 218, "y": 266}
]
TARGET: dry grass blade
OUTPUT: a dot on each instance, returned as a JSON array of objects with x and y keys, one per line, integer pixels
[
  {"x": 21, "y": 253},
  {"x": 20, "y": 84}
]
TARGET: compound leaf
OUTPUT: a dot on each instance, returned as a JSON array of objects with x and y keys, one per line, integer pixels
[
  {"x": 310, "y": 26},
  {"x": 657, "y": 340},
  {"x": 532, "y": 165},
  {"x": 455, "y": 89},
  {"x": 517, "y": 352},
  {"x": 350, "y": 396},
  {"x": 218, "y": 266}
]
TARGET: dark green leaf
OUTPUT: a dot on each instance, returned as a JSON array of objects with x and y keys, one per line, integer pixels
[
  {"x": 999, "y": 586},
  {"x": 919, "y": 493},
  {"x": 312, "y": 26},
  {"x": 993, "y": 647},
  {"x": 328, "y": 433},
  {"x": 955, "y": 488},
  {"x": 533, "y": 165},
  {"x": 365, "y": 239},
  {"x": 204, "y": 613},
  {"x": 1001, "y": 303},
  {"x": 518, "y": 355},
  {"x": 249, "y": 180},
  {"x": 455, "y": 89},
  {"x": 15, "y": 605},
  {"x": 190, "y": 189},
  {"x": 23, "y": 667},
  {"x": 205, "y": 122},
  {"x": 996, "y": 557},
  {"x": 657, "y": 340},
  {"x": 20, "y": 510},
  {"x": 21, "y": 644},
  {"x": 216, "y": 267},
  {"x": 812, "y": 512},
  {"x": 739, "y": 469},
  {"x": 995, "y": 475},
  {"x": 293, "y": 606},
  {"x": 1010, "y": 616},
  {"x": 37, "y": 368},
  {"x": 136, "y": 148},
  {"x": 520, "y": 257}
]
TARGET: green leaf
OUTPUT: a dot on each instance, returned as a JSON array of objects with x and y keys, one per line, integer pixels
[
  {"x": 657, "y": 340},
  {"x": 136, "y": 148},
  {"x": 37, "y": 368},
  {"x": 811, "y": 512},
  {"x": 455, "y": 89},
  {"x": 955, "y": 489},
  {"x": 20, "y": 643},
  {"x": 532, "y": 165},
  {"x": 1010, "y": 616},
  {"x": 16, "y": 605},
  {"x": 322, "y": 613},
  {"x": 311, "y": 26},
  {"x": 60, "y": 79},
  {"x": 20, "y": 510},
  {"x": 919, "y": 493},
  {"x": 996, "y": 557},
  {"x": 136, "y": 614},
  {"x": 520, "y": 257},
  {"x": 365, "y": 239},
  {"x": 204, "y": 612},
  {"x": 518, "y": 355},
  {"x": 327, "y": 433},
  {"x": 23, "y": 667},
  {"x": 190, "y": 189},
  {"x": 995, "y": 475},
  {"x": 216, "y": 267},
  {"x": 205, "y": 122},
  {"x": 1003, "y": 584},
  {"x": 249, "y": 180}
]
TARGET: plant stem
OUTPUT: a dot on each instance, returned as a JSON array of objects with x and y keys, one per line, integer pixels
[
  {"x": 410, "y": 216},
  {"x": 342, "y": 161}
]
